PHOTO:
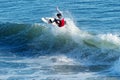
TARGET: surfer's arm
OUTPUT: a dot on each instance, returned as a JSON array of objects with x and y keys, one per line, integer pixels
[{"x": 58, "y": 10}]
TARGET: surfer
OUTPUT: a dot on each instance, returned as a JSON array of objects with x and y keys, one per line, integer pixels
[{"x": 59, "y": 20}]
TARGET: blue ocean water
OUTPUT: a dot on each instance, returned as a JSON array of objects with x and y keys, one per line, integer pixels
[{"x": 86, "y": 48}]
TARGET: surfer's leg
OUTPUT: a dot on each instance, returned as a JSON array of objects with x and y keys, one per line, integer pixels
[
  {"x": 50, "y": 21},
  {"x": 56, "y": 21}
]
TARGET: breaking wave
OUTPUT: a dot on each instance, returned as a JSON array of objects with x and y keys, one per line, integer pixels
[{"x": 38, "y": 39}]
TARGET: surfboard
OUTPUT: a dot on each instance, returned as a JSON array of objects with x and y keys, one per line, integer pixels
[{"x": 47, "y": 20}]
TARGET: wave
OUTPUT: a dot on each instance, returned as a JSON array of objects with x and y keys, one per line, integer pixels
[
  {"x": 93, "y": 50},
  {"x": 47, "y": 37}
]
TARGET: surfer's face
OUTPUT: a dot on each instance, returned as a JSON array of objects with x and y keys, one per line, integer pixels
[{"x": 59, "y": 16}]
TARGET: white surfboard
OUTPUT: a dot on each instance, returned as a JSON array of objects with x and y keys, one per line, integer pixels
[{"x": 47, "y": 20}]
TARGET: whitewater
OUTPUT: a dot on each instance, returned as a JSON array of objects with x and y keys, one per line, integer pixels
[{"x": 86, "y": 48}]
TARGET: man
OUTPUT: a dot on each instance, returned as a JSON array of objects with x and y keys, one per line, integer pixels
[{"x": 59, "y": 20}]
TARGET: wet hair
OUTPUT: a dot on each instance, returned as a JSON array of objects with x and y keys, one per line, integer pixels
[{"x": 59, "y": 14}]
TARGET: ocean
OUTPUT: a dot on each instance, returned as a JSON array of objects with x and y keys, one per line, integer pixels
[{"x": 86, "y": 48}]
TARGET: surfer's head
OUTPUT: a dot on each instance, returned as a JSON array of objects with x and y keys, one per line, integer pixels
[{"x": 59, "y": 15}]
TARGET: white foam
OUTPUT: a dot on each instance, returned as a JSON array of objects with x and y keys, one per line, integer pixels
[
  {"x": 111, "y": 38},
  {"x": 109, "y": 41},
  {"x": 61, "y": 59}
]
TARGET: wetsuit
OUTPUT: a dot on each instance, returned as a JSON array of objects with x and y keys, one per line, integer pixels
[{"x": 60, "y": 22}]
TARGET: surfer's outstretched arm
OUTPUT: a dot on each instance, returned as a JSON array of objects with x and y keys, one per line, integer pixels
[{"x": 58, "y": 10}]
